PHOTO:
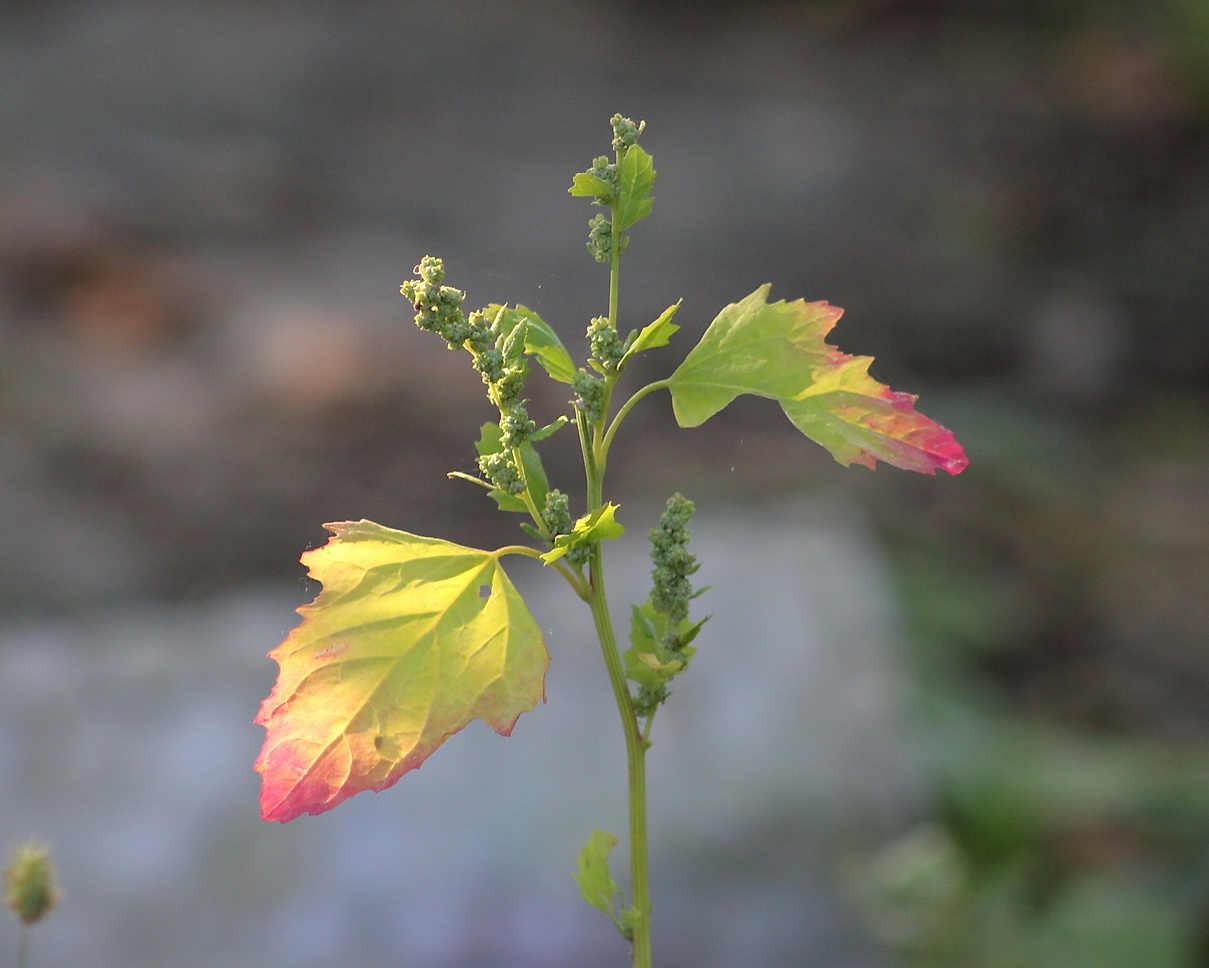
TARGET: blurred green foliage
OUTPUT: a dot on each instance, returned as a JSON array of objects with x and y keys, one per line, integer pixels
[{"x": 1054, "y": 611}]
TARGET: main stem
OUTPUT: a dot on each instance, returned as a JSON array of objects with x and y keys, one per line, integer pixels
[
  {"x": 594, "y": 443},
  {"x": 635, "y": 745}
]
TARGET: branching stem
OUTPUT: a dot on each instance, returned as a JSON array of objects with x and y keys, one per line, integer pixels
[
  {"x": 594, "y": 441},
  {"x": 576, "y": 582},
  {"x": 625, "y": 409}
]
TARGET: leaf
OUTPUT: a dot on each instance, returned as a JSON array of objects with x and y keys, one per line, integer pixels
[
  {"x": 540, "y": 340},
  {"x": 653, "y": 334},
  {"x": 543, "y": 432},
  {"x": 636, "y": 177},
  {"x": 595, "y": 883},
  {"x": 647, "y": 662},
  {"x": 491, "y": 442},
  {"x": 597, "y": 525},
  {"x": 409, "y": 640},
  {"x": 587, "y": 185},
  {"x": 776, "y": 350}
]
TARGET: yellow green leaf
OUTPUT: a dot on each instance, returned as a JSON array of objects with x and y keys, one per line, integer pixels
[
  {"x": 777, "y": 350},
  {"x": 409, "y": 640}
]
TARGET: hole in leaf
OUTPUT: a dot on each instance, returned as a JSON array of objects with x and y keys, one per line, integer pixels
[{"x": 484, "y": 591}]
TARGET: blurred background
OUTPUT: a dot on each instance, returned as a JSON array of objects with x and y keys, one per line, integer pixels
[{"x": 955, "y": 722}]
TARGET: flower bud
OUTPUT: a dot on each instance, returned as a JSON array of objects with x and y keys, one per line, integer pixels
[
  {"x": 625, "y": 132},
  {"x": 29, "y": 889}
]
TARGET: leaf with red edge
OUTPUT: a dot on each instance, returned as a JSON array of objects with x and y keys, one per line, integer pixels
[
  {"x": 777, "y": 350},
  {"x": 409, "y": 640}
]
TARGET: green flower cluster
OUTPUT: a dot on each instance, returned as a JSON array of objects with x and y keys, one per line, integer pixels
[
  {"x": 590, "y": 392},
  {"x": 557, "y": 517},
  {"x": 662, "y": 631},
  {"x": 600, "y": 239},
  {"x": 500, "y": 361},
  {"x": 625, "y": 132},
  {"x": 607, "y": 180},
  {"x": 438, "y": 307},
  {"x": 501, "y": 470},
  {"x": 673, "y": 562},
  {"x": 607, "y": 346},
  {"x": 606, "y": 171}
]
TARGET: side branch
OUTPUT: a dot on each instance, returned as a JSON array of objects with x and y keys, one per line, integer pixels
[{"x": 625, "y": 409}]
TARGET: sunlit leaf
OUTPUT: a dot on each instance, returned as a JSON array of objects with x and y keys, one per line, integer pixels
[
  {"x": 540, "y": 340},
  {"x": 595, "y": 884},
  {"x": 647, "y": 661},
  {"x": 597, "y": 525},
  {"x": 654, "y": 334},
  {"x": 587, "y": 185},
  {"x": 777, "y": 350},
  {"x": 409, "y": 640},
  {"x": 543, "y": 432},
  {"x": 636, "y": 178}
]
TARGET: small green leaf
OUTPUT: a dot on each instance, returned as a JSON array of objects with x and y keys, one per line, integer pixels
[
  {"x": 654, "y": 334},
  {"x": 636, "y": 177},
  {"x": 647, "y": 661},
  {"x": 543, "y": 432},
  {"x": 409, "y": 640},
  {"x": 598, "y": 525},
  {"x": 595, "y": 883},
  {"x": 643, "y": 634},
  {"x": 777, "y": 350},
  {"x": 688, "y": 634},
  {"x": 587, "y": 185},
  {"x": 540, "y": 340},
  {"x": 631, "y": 918}
]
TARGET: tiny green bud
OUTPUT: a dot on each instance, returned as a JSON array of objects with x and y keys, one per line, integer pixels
[
  {"x": 600, "y": 238},
  {"x": 490, "y": 363},
  {"x": 516, "y": 426},
  {"x": 589, "y": 395},
  {"x": 500, "y": 469},
  {"x": 29, "y": 888},
  {"x": 606, "y": 171},
  {"x": 514, "y": 343},
  {"x": 437, "y": 307},
  {"x": 480, "y": 338},
  {"x": 556, "y": 513},
  {"x": 509, "y": 386},
  {"x": 431, "y": 270},
  {"x": 625, "y": 132},
  {"x": 607, "y": 346}
]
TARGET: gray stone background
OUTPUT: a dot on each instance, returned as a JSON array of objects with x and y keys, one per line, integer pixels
[{"x": 205, "y": 213}]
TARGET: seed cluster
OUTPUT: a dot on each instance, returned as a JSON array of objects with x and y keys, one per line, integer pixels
[
  {"x": 607, "y": 346},
  {"x": 498, "y": 357},
  {"x": 673, "y": 561}
]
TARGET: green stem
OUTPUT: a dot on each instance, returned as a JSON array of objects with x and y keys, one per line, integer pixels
[
  {"x": 635, "y": 747},
  {"x": 635, "y": 764},
  {"x": 527, "y": 497},
  {"x": 575, "y": 581},
  {"x": 614, "y": 260},
  {"x": 625, "y": 408},
  {"x": 594, "y": 444},
  {"x": 22, "y": 945}
]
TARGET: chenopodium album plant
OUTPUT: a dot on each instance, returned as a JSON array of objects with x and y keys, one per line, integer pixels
[{"x": 412, "y": 637}]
